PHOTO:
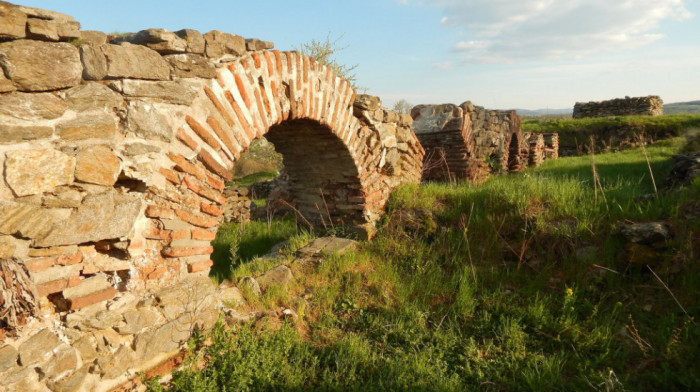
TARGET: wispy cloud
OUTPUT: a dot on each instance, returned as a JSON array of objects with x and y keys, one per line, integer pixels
[
  {"x": 513, "y": 30},
  {"x": 444, "y": 65}
]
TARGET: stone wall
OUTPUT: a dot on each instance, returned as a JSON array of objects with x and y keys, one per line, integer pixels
[
  {"x": 651, "y": 105},
  {"x": 467, "y": 141},
  {"x": 115, "y": 152}
]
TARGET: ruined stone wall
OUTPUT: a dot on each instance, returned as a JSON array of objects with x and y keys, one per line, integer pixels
[
  {"x": 467, "y": 141},
  {"x": 651, "y": 105},
  {"x": 114, "y": 154}
]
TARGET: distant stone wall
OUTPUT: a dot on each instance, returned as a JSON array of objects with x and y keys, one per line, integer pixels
[
  {"x": 468, "y": 141},
  {"x": 651, "y": 105},
  {"x": 114, "y": 153}
]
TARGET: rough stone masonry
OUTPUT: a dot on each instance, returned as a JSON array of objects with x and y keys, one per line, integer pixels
[{"x": 114, "y": 154}]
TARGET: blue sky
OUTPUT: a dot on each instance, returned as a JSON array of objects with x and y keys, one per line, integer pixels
[{"x": 502, "y": 54}]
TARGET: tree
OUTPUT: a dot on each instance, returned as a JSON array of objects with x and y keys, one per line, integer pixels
[
  {"x": 323, "y": 51},
  {"x": 403, "y": 107}
]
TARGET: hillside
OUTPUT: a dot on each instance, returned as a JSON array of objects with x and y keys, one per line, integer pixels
[
  {"x": 690, "y": 107},
  {"x": 522, "y": 283}
]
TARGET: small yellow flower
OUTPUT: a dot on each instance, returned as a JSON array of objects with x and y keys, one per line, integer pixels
[{"x": 569, "y": 292}]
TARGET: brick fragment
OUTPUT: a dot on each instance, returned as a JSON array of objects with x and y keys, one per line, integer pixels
[
  {"x": 212, "y": 209},
  {"x": 257, "y": 60},
  {"x": 216, "y": 183},
  {"x": 203, "y": 190},
  {"x": 152, "y": 273},
  {"x": 170, "y": 175},
  {"x": 40, "y": 264},
  {"x": 103, "y": 295},
  {"x": 187, "y": 251},
  {"x": 160, "y": 212},
  {"x": 203, "y": 235},
  {"x": 201, "y": 266}
]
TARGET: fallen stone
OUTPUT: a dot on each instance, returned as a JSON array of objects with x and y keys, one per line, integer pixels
[
  {"x": 31, "y": 172},
  {"x": 160, "y": 40},
  {"x": 278, "y": 276},
  {"x": 219, "y": 44},
  {"x": 38, "y": 348},
  {"x": 134, "y": 61},
  {"x": 251, "y": 285},
  {"x": 41, "y": 66},
  {"x": 645, "y": 233},
  {"x": 13, "y": 22},
  {"x": 195, "y": 40},
  {"x": 101, "y": 216},
  {"x": 96, "y": 125},
  {"x": 180, "y": 92},
  {"x": 233, "y": 317},
  {"x": 28, "y": 106},
  {"x": 8, "y": 357},
  {"x": 97, "y": 165},
  {"x": 91, "y": 96},
  {"x": 145, "y": 121},
  {"x": 189, "y": 65},
  {"x": 232, "y": 296}
]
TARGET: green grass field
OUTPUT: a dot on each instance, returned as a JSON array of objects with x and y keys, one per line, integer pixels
[{"x": 517, "y": 284}]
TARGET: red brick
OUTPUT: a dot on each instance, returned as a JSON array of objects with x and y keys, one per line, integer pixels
[
  {"x": 288, "y": 55},
  {"x": 230, "y": 144},
  {"x": 216, "y": 183},
  {"x": 262, "y": 111},
  {"x": 203, "y": 235},
  {"x": 268, "y": 60},
  {"x": 305, "y": 62},
  {"x": 187, "y": 140},
  {"x": 170, "y": 175},
  {"x": 54, "y": 286},
  {"x": 185, "y": 166},
  {"x": 93, "y": 298},
  {"x": 212, "y": 209},
  {"x": 202, "y": 132},
  {"x": 180, "y": 234},
  {"x": 219, "y": 106},
  {"x": 187, "y": 251},
  {"x": 210, "y": 163},
  {"x": 278, "y": 62},
  {"x": 200, "y": 266},
  {"x": 159, "y": 212},
  {"x": 197, "y": 220},
  {"x": 257, "y": 59},
  {"x": 240, "y": 86},
  {"x": 220, "y": 79},
  {"x": 157, "y": 234},
  {"x": 204, "y": 191},
  {"x": 241, "y": 118},
  {"x": 151, "y": 273}
]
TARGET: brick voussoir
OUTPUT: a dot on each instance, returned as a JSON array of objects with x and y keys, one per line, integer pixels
[
  {"x": 213, "y": 165},
  {"x": 219, "y": 106},
  {"x": 203, "y": 190},
  {"x": 202, "y": 132},
  {"x": 197, "y": 219}
]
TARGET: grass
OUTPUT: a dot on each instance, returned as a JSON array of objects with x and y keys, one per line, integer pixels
[
  {"x": 488, "y": 289},
  {"x": 251, "y": 179}
]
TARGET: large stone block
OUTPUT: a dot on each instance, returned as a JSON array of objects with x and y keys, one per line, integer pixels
[
  {"x": 27, "y": 106},
  {"x": 179, "y": 92},
  {"x": 160, "y": 40},
  {"x": 38, "y": 348},
  {"x": 97, "y": 165},
  {"x": 41, "y": 29},
  {"x": 28, "y": 221},
  {"x": 220, "y": 44},
  {"x": 98, "y": 125},
  {"x": 145, "y": 121},
  {"x": 31, "y": 172},
  {"x": 12, "y": 21},
  {"x": 8, "y": 357},
  {"x": 101, "y": 216},
  {"x": 134, "y": 61},
  {"x": 94, "y": 61},
  {"x": 195, "y": 40},
  {"x": 41, "y": 66},
  {"x": 17, "y": 133},
  {"x": 91, "y": 96},
  {"x": 189, "y": 65}
]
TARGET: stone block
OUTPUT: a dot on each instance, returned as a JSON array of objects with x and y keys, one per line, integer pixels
[
  {"x": 180, "y": 92},
  {"x": 232, "y": 296},
  {"x": 134, "y": 61},
  {"x": 145, "y": 121},
  {"x": 188, "y": 65},
  {"x": 17, "y": 134},
  {"x": 94, "y": 125},
  {"x": 219, "y": 44},
  {"x": 102, "y": 216},
  {"x": 38, "y": 348},
  {"x": 94, "y": 61},
  {"x": 30, "y": 172},
  {"x": 166, "y": 338},
  {"x": 63, "y": 361},
  {"x": 63, "y": 198},
  {"x": 28, "y": 221},
  {"x": 135, "y": 149},
  {"x": 97, "y": 165},
  {"x": 251, "y": 285},
  {"x": 68, "y": 30},
  {"x": 86, "y": 348},
  {"x": 56, "y": 273},
  {"x": 115, "y": 365},
  {"x": 13, "y": 22},
  {"x": 93, "y": 37},
  {"x": 92, "y": 96},
  {"x": 41, "y": 66},
  {"x": 28, "y": 106},
  {"x": 8, "y": 357},
  {"x": 135, "y": 321},
  {"x": 195, "y": 40},
  {"x": 71, "y": 383},
  {"x": 160, "y": 40},
  {"x": 41, "y": 29}
]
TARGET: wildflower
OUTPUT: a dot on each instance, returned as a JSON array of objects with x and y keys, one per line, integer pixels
[{"x": 569, "y": 292}]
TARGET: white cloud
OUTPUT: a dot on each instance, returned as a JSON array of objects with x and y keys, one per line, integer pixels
[
  {"x": 445, "y": 65},
  {"x": 511, "y": 30}
]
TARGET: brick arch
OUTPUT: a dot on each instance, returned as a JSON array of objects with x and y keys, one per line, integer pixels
[{"x": 342, "y": 166}]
